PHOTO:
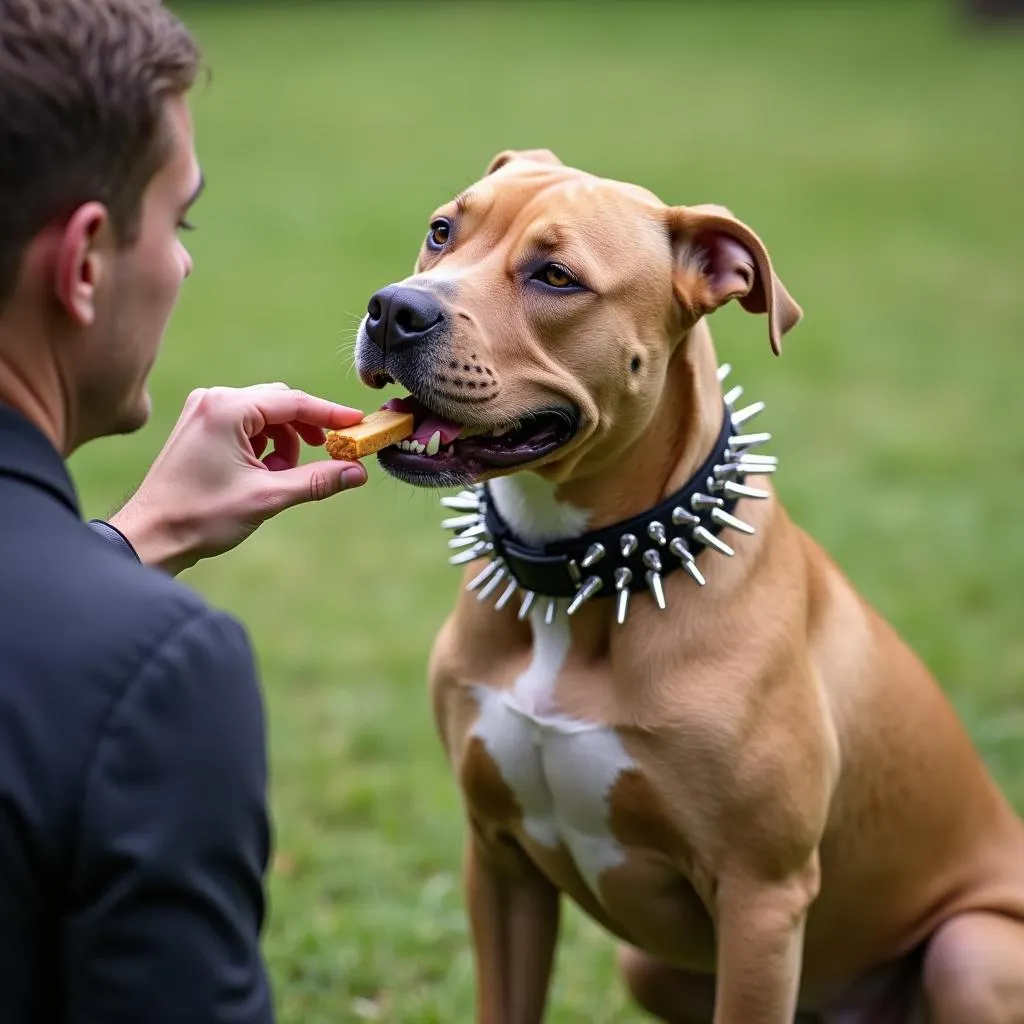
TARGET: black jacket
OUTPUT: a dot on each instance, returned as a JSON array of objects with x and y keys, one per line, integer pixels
[{"x": 134, "y": 835}]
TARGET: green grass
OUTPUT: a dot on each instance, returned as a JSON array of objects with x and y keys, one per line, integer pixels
[{"x": 877, "y": 148}]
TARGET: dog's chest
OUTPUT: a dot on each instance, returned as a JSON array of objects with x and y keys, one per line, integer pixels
[{"x": 560, "y": 769}]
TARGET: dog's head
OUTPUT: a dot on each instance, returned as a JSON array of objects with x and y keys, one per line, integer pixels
[{"x": 544, "y": 309}]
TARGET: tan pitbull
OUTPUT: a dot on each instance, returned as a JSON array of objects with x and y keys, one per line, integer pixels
[{"x": 729, "y": 761}]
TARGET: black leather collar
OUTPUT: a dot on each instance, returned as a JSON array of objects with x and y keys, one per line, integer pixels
[
  {"x": 629, "y": 556},
  {"x": 659, "y": 540}
]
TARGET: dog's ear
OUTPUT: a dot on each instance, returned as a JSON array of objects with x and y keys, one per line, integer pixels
[
  {"x": 718, "y": 258},
  {"x": 537, "y": 156}
]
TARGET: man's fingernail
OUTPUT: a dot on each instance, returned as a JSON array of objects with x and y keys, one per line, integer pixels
[{"x": 353, "y": 477}]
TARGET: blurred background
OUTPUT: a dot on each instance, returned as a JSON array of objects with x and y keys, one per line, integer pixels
[{"x": 877, "y": 148}]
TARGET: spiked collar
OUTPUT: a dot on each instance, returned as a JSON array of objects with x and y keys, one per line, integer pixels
[{"x": 629, "y": 556}]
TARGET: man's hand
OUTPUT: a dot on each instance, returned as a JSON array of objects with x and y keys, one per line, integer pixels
[{"x": 211, "y": 486}]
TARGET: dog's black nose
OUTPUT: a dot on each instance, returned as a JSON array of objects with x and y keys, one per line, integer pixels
[{"x": 399, "y": 316}]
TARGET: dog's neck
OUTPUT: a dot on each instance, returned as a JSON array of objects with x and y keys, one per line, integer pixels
[{"x": 675, "y": 443}]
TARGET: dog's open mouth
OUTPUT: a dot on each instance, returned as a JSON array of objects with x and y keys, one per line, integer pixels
[{"x": 442, "y": 452}]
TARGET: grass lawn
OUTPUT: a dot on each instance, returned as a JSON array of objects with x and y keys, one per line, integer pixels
[{"x": 877, "y": 148}]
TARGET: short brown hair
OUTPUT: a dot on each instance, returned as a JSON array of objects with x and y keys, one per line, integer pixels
[{"x": 82, "y": 91}]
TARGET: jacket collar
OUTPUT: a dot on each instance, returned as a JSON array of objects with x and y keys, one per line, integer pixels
[{"x": 27, "y": 453}]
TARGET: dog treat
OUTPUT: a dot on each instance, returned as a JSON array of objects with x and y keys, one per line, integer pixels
[{"x": 377, "y": 430}]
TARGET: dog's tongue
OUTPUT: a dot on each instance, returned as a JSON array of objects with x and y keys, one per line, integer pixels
[{"x": 428, "y": 425}]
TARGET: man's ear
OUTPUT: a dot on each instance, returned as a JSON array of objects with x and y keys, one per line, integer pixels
[
  {"x": 537, "y": 156},
  {"x": 718, "y": 258}
]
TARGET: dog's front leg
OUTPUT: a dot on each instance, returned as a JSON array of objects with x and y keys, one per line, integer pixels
[
  {"x": 514, "y": 916},
  {"x": 760, "y": 933}
]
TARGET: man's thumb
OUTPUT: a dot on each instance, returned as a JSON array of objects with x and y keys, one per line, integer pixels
[{"x": 315, "y": 481}]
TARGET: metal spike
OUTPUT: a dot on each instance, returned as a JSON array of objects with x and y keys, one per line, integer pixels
[
  {"x": 680, "y": 550},
  {"x": 743, "y": 491},
  {"x": 753, "y": 459},
  {"x": 627, "y": 544},
  {"x": 728, "y": 471},
  {"x": 708, "y": 539},
  {"x": 484, "y": 574},
  {"x": 480, "y": 548},
  {"x": 507, "y": 595},
  {"x": 574, "y": 571},
  {"x": 470, "y": 536},
  {"x": 734, "y": 395},
  {"x": 623, "y": 577},
  {"x": 680, "y": 517},
  {"x": 757, "y": 468},
  {"x": 652, "y": 560},
  {"x": 654, "y": 585},
  {"x": 656, "y": 531},
  {"x": 492, "y": 585},
  {"x": 587, "y": 591},
  {"x": 748, "y": 412},
  {"x": 702, "y": 502},
  {"x": 594, "y": 555},
  {"x": 749, "y": 440},
  {"x": 460, "y": 503},
  {"x": 685, "y": 555},
  {"x": 723, "y": 517},
  {"x": 723, "y": 371},
  {"x": 528, "y": 602},
  {"x": 460, "y": 522},
  {"x": 549, "y": 612},
  {"x": 691, "y": 568}
]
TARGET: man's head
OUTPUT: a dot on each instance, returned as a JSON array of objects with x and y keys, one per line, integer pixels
[
  {"x": 544, "y": 311},
  {"x": 97, "y": 169}
]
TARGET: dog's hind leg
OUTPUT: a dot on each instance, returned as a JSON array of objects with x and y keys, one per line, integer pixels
[{"x": 974, "y": 971}]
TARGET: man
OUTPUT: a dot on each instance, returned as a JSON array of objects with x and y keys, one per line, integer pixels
[{"x": 133, "y": 827}]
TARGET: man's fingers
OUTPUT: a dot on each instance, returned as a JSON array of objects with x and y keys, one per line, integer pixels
[
  {"x": 286, "y": 447},
  {"x": 310, "y": 434},
  {"x": 313, "y": 481},
  {"x": 273, "y": 406}
]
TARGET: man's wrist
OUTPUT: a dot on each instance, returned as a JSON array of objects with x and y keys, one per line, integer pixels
[{"x": 157, "y": 542}]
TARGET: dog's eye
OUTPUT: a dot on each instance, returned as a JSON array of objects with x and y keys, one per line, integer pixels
[
  {"x": 440, "y": 232},
  {"x": 556, "y": 276}
]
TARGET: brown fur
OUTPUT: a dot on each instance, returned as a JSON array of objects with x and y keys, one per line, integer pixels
[{"x": 808, "y": 820}]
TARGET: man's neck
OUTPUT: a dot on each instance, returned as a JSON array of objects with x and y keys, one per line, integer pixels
[{"x": 30, "y": 383}]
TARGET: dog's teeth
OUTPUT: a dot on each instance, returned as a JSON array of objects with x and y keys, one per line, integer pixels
[
  {"x": 680, "y": 517},
  {"x": 549, "y": 612},
  {"x": 656, "y": 531},
  {"x": 708, "y": 539},
  {"x": 723, "y": 371},
  {"x": 627, "y": 544},
  {"x": 492, "y": 584},
  {"x": 594, "y": 555},
  {"x": 529, "y": 600},
  {"x": 733, "y": 396},
  {"x": 723, "y": 517},
  {"x": 654, "y": 585},
  {"x": 623, "y": 578},
  {"x": 592, "y": 585},
  {"x": 434, "y": 444},
  {"x": 749, "y": 440},
  {"x": 460, "y": 522},
  {"x": 507, "y": 595},
  {"x": 478, "y": 550},
  {"x": 743, "y": 491},
  {"x": 747, "y": 413},
  {"x": 484, "y": 574},
  {"x": 702, "y": 502}
]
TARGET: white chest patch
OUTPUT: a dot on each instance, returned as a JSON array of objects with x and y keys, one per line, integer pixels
[{"x": 560, "y": 769}]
